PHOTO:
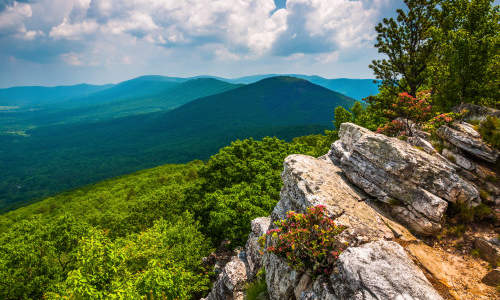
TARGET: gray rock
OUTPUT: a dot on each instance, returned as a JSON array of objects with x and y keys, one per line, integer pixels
[
  {"x": 253, "y": 249},
  {"x": 476, "y": 112},
  {"x": 281, "y": 279},
  {"x": 422, "y": 143},
  {"x": 461, "y": 137},
  {"x": 380, "y": 270},
  {"x": 231, "y": 281},
  {"x": 459, "y": 160},
  {"x": 242, "y": 268},
  {"x": 415, "y": 184},
  {"x": 309, "y": 182}
]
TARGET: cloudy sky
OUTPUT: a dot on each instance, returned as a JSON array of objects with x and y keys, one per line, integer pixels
[{"x": 53, "y": 42}]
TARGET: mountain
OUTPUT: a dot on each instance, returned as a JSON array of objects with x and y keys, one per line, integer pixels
[
  {"x": 55, "y": 158},
  {"x": 137, "y": 96},
  {"x": 35, "y": 96},
  {"x": 140, "y": 97},
  {"x": 354, "y": 88}
]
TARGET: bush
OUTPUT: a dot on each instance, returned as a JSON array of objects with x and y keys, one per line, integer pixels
[
  {"x": 490, "y": 131},
  {"x": 257, "y": 290},
  {"x": 307, "y": 241}
]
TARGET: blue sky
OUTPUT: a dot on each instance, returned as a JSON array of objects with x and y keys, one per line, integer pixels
[{"x": 54, "y": 42}]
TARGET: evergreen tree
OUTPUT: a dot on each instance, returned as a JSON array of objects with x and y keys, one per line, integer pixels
[{"x": 407, "y": 44}]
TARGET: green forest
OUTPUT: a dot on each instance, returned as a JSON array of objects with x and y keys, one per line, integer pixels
[{"x": 144, "y": 235}]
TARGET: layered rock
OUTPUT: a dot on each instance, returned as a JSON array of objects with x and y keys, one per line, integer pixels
[
  {"x": 464, "y": 137},
  {"x": 415, "y": 185},
  {"x": 371, "y": 268}
]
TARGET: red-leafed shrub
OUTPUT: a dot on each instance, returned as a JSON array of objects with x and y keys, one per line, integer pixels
[
  {"x": 410, "y": 110},
  {"x": 307, "y": 241}
]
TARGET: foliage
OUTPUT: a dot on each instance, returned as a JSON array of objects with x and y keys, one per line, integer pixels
[
  {"x": 132, "y": 235},
  {"x": 407, "y": 44},
  {"x": 490, "y": 131},
  {"x": 409, "y": 111},
  {"x": 41, "y": 245},
  {"x": 341, "y": 116},
  {"x": 257, "y": 290},
  {"x": 238, "y": 184},
  {"x": 161, "y": 261},
  {"x": 393, "y": 128},
  {"x": 308, "y": 241},
  {"x": 466, "y": 68},
  {"x": 319, "y": 143},
  {"x": 441, "y": 119}
]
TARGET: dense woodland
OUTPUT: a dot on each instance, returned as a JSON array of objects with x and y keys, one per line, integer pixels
[
  {"x": 55, "y": 158},
  {"x": 146, "y": 233}
]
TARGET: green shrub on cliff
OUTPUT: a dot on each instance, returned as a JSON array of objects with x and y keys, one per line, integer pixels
[{"x": 490, "y": 131}]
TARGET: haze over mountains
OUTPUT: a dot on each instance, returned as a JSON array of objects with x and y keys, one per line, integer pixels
[{"x": 76, "y": 135}]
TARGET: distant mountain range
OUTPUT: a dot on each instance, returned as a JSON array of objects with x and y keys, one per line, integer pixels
[{"x": 209, "y": 114}]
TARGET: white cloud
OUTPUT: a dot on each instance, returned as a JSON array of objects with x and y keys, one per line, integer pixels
[
  {"x": 12, "y": 18},
  {"x": 74, "y": 31}
]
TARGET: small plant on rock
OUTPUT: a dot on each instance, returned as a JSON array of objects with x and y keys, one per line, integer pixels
[{"x": 307, "y": 241}]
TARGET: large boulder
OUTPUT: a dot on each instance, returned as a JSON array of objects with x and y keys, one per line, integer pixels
[
  {"x": 371, "y": 268},
  {"x": 464, "y": 137},
  {"x": 380, "y": 270},
  {"x": 415, "y": 185}
]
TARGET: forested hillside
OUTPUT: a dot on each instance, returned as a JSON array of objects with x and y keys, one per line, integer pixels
[
  {"x": 143, "y": 233},
  {"x": 56, "y": 158},
  {"x": 23, "y": 110}
]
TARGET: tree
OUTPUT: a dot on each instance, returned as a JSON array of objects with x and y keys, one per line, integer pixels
[
  {"x": 341, "y": 116},
  {"x": 408, "y": 46},
  {"x": 467, "y": 62}
]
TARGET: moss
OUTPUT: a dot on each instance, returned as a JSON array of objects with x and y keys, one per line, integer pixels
[
  {"x": 394, "y": 202},
  {"x": 403, "y": 137},
  {"x": 482, "y": 212},
  {"x": 473, "y": 121},
  {"x": 257, "y": 290},
  {"x": 457, "y": 230},
  {"x": 419, "y": 148},
  {"x": 484, "y": 194},
  {"x": 451, "y": 158},
  {"x": 475, "y": 253}
]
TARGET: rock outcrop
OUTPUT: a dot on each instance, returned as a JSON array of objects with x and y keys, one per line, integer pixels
[
  {"x": 373, "y": 267},
  {"x": 376, "y": 187},
  {"x": 242, "y": 268},
  {"x": 415, "y": 185},
  {"x": 464, "y": 137}
]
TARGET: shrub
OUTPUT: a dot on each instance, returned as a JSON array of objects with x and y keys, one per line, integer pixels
[
  {"x": 257, "y": 290},
  {"x": 410, "y": 109},
  {"x": 307, "y": 241},
  {"x": 490, "y": 131}
]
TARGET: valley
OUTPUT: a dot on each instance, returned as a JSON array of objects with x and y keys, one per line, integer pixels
[{"x": 147, "y": 122}]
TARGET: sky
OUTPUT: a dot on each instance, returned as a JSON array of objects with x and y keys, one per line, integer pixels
[{"x": 60, "y": 42}]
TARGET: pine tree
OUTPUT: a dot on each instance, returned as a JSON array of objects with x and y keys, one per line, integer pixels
[{"x": 407, "y": 44}]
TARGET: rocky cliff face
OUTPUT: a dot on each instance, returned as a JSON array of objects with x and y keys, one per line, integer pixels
[
  {"x": 377, "y": 187},
  {"x": 417, "y": 186}
]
